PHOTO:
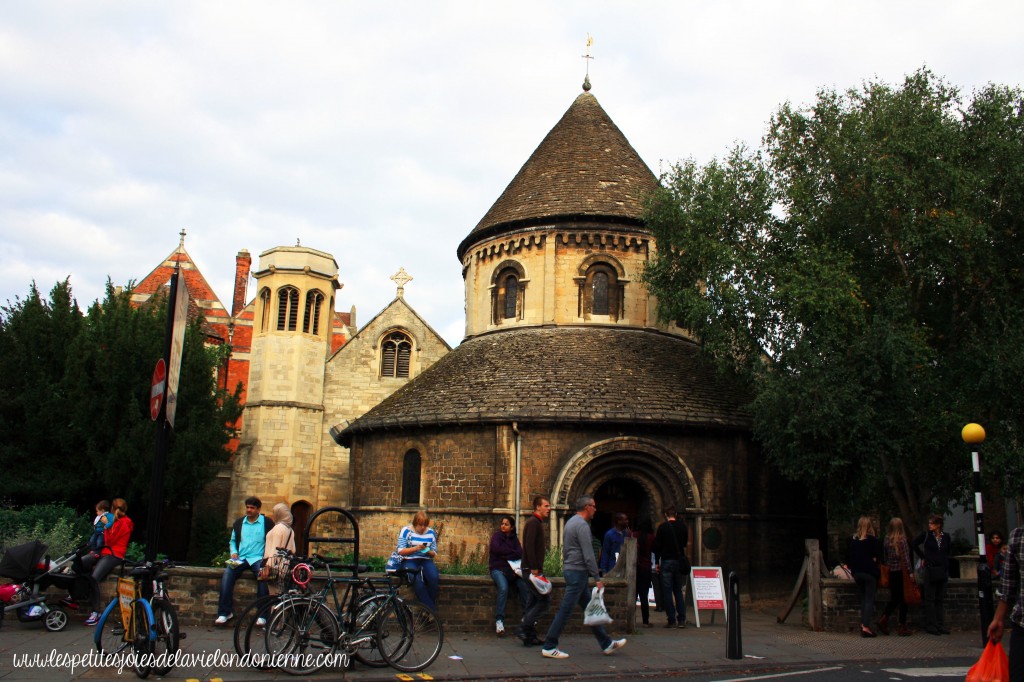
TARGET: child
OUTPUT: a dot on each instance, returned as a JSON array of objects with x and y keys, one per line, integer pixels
[{"x": 104, "y": 520}]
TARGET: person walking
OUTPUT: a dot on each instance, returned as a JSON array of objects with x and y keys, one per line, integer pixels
[
  {"x": 933, "y": 546},
  {"x": 863, "y": 556},
  {"x": 579, "y": 565},
  {"x": 503, "y": 548},
  {"x": 1011, "y": 599},
  {"x": 673, "y": 566},
  {"x": 896, "y": 553},
  {"x": 535, "y": 543},
  {"x": 248, "y": 540},
  {"x": 644, "y": 546}
]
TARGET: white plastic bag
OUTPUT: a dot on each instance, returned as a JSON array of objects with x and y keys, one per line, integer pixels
[{"x": 596, "y": 613}]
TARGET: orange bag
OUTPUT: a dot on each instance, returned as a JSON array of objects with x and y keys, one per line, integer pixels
[{"x": 993, "y": 666}]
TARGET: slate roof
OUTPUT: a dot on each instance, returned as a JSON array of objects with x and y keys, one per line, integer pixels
[
  {"x": 563, "y": 375},
  {"x": 584, "y": 169}
]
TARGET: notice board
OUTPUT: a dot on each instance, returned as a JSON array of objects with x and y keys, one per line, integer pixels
[{"x": 708, "y": 591}]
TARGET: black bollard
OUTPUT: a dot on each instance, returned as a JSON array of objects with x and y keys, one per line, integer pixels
[{"x": 734, "y": 639}]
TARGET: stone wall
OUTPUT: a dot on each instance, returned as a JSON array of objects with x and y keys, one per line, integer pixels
[
  {"x": 841, "y": 606},
  {"x": 466, "y": 603}
]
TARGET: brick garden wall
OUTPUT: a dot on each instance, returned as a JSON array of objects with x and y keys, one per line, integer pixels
[
  {"x": 841, "y": 606},
  {"x": 466, "y": 603}
]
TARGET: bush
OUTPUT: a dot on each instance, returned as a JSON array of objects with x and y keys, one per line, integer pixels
[
  {"x": 210, "y": 540},
  {"x": 462, "y": 562},
  {"x": 553, "y": 562},
  {"x": 58, "y": 527}
]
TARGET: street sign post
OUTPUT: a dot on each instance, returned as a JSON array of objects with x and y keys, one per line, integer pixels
[{"x": 159, "y": 386}]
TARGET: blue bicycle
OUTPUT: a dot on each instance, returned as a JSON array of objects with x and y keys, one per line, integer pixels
[{"x": 141, "y": 617}]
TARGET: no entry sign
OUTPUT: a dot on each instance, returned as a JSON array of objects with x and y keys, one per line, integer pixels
[{"x": 156, "y": 393}]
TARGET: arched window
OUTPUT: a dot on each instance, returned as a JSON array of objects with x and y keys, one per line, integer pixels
[
  {"x": 395, "y": 354},
  {"x": 601, "y": 291},
  {"x": 510, "y": 296},
  {"x": 411, "y": 465},
  {"x": 287, "y": 308},
  {"x": 311, "y": 320},
  {"x": 265, "y": 308},
  {"x": 508, "y": 292}
]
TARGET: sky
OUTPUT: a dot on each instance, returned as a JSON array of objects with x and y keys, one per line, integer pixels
[{"x": 381, "y": 133}]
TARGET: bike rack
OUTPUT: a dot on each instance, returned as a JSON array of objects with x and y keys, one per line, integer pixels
[{"x": 352, "y": 540}]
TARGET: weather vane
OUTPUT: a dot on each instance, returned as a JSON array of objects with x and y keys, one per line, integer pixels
[{"x": 586, "y": 79}]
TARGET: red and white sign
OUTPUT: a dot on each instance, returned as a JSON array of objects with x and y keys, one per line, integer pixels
[
  {"x": 156, "y": 393},
  {"x": 708, "y": 592}
]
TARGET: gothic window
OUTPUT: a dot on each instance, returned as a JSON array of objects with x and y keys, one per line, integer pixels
[
  {"x": 311, "y": 320},
  {"x": 265, "y": 310},
  {"x": 395, "y": 354},
  {"x": 287, "y": 308},
  {"x": 411, "y": 466}
]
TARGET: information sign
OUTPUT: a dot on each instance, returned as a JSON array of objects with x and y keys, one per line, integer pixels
[{"x": 708, "y": 590}]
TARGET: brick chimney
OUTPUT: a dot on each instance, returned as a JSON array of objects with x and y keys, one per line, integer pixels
[{"x": 243, "y": 261}]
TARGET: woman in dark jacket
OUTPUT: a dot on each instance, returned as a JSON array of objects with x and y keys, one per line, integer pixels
[
  {"x": 505, "y": 547},
  {"x": 934, "y": 547},
  {"x": 863, "y": 556}
]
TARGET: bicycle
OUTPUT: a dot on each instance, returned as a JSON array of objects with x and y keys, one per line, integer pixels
[
  {"x": 305, "y": 630},
  {"x": 142, "y": 617}
]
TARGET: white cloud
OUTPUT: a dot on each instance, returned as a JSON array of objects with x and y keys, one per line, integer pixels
[{"x": 382, "y": 133}]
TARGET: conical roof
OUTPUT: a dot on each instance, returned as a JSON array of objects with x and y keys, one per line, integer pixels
[
  {"x": 564, "y": 375},
  {"x": 584, "y": 169}
]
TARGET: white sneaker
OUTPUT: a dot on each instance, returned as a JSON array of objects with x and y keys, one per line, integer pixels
[
  {"x": 616, "y": 644},
  {"x": 556, "y": 653},
  {"x": 499, "y": 628},
  {"x": 261, "y": 622},
  {"x": 222, "y": 620}
]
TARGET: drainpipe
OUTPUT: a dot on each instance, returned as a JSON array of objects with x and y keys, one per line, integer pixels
[{"x": 519, "y": 475}]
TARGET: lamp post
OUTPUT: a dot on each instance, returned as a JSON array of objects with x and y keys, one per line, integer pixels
[{"x": 974, "y": 435}]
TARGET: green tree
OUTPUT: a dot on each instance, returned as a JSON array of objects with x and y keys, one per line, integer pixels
[{"x": 861, "y": 273}]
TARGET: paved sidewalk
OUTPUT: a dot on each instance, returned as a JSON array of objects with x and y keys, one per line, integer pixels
[{"x": 467, "y": 656}]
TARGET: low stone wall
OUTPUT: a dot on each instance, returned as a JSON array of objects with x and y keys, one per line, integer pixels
[
  {"x": 466, "y": 603},
  {"x": 841, "y": 606}
]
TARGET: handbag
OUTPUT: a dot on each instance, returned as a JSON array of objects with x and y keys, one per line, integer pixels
[
  {"x": 993, "y": 666},
  {"x": 911, "y": 592},
  {"x": 883, "y": 580},
  {"x": 394, "y": 562},
  {"x": 596, "y": 613}
]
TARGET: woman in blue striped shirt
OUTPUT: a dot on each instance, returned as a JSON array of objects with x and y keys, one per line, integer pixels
[{"x": 417, "y": 544}]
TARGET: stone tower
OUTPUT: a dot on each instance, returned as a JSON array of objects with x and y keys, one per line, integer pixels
[{"x": 278, "y": 456}]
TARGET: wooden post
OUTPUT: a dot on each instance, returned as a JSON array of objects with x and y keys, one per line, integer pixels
[{"x": 814, "y": 610}]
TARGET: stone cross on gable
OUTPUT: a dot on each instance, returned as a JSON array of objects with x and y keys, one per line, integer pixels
[{"x": 401, "y": 278}]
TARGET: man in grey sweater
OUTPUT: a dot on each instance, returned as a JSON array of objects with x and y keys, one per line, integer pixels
[{"x": 579, "y": 565}]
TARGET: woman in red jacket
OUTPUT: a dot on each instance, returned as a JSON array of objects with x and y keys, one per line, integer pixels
[{"x": 110, "y": 556}]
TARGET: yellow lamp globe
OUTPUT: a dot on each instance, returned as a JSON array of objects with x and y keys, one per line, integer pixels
[{"x": 973, "y": 434}]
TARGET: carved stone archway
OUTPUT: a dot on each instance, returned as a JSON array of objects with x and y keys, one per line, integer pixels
[{"x": 660, "y": 473}]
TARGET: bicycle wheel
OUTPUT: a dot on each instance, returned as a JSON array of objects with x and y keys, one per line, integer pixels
[
  {"x": 409, "y": 636},
  {"x": 142, "y": 646},
  {"x": 301, "y": 635},
  {"x": 249, "y": 635},
  {"x": 166, "y": 644},
  {"x": 110, "y": 630},
  {"x": 367, "y": 613}
]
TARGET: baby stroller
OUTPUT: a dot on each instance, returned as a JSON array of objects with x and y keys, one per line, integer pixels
[{"x": 32, "y": 572}]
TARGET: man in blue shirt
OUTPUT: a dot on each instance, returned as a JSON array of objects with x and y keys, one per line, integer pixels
[
  {"x": 248, "y": 538},
  {"x": 613, "y": 540}
]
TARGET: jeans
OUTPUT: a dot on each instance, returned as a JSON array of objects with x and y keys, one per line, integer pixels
[
  {"x": 427, "y": 584},
  {"x": 225, "y": 605},
  {"x": 501, "y": 582},
  {"x": 643, "y": 585},
  {"x": 934, "y": 592},
  {"x": 101, "y": 567},
  {"x": 575, "y": 593},
  {"x": 867, "y": 585},
  {"x": 536, "y": 606},
  {"x": 1016, "y": 652},
  {"x": 672, "y": 580},
  {"x": 896, "y": 597}
]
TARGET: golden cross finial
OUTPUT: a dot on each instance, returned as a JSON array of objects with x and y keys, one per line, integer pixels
[
  {"x": 401, "y": 278},
  {"x": 586, "y": 79}
]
